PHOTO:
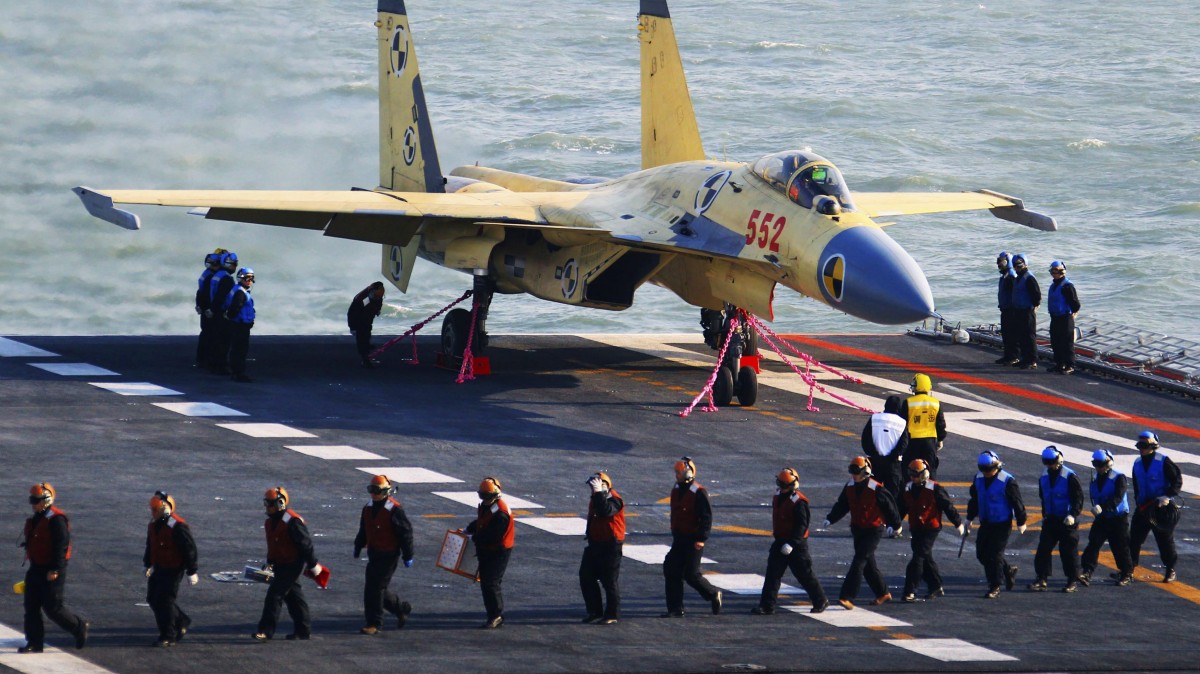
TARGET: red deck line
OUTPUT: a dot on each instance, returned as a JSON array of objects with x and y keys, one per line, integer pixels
[{"x": 949, "y": 375}]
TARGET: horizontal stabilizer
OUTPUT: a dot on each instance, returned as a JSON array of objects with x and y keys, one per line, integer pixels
[
  {"x": 101, "y": 206},
  {"x": 1017, "y": 213}
]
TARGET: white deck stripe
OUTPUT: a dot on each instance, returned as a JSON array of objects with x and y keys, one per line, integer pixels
[
  {"x": 267, "y": 430},
  {"x": 201, "y": 409},
  {"x": 950, "y": 650},
  {"x": 336, "y": 452},
  {"x": 11, "y": 348},
  {"x": 52, "y": 661},
  {"x": 653, "y": 553},
  {"x": 137, "y": 388},
  {"x": 837, "y": 616},
  {"x": 470, "y": 498},
  {"x": 563, "y": 526},
  {"x": 748, "y": 583},
  {"x": 412, "y": 475},
  {"x": 75, "y": 369}
]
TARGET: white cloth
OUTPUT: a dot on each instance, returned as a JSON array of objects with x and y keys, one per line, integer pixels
[{"x": 886, "y": 429}]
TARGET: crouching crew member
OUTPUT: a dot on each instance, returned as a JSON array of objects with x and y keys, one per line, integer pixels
[
  {"x": 885, "y": 441},
  {"x": 789, "y": 526},
  {"x": 384, "y": 530},
  {"x": 995, "y": 500},
  {"x": 289, "y": 551},
  {"x": 1111, "y": 507},
  {"x": 691, "y": 521},
  {"x": 1156, "y": 485},
  {"x": 926, "y": 424},
  {"x": 493, "y": 532},
  {"x": 924, "y": 501},
  {"x": 1062, "y": 502},
  {"x": 170, "y": 555},
  {"x": 870, "y": 507},
  {"x": 601, "y": 564},
  {"x": 47, "y": 546}
]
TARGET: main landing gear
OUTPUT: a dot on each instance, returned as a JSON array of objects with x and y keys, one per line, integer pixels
[
  {"x": 736, "y": 376},
  {"x": 456, "y": 326}
]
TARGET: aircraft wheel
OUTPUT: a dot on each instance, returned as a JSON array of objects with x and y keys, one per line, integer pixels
[
  {"x": 723, "y": 387},
  {"x": 747, "y": 386},
  {"x": 455, "y": 328},
  {"x": 751, "y": 341}
]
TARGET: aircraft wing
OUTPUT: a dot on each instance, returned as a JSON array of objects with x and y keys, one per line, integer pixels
[{"x": 888, "y": 204}]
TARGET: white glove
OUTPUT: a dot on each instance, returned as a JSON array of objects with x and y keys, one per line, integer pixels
[
  {"x": 1097, "y": 508},
  {"x": 962, "y": 530},
  {"x": 1069, "y": 520},
  {"x": 890, "y": 532},
  {"x": 786, "y": 548},
  {"x": 316, "y": 569},
  {"x": 149, "y": 571},
  {"x": 825, "y": 524},
  {"x": 596, "y": 484},
  {"x": 1021, "y": 529},
  {"x": 193, "y": 579},
  {"x": 1164, "y": 501},
  {"x": 899, "y": 530}
]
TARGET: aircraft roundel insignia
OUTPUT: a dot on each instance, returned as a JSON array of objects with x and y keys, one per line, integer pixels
[
  {"x": 399, "y": 50},
  {"x": 833, "y": 277},
  {"x": 397, "y": 260},
  {"x": 570, "y": 278},
  {"x": 708, "y": 192},
  {"x": 410, "y": 145}
]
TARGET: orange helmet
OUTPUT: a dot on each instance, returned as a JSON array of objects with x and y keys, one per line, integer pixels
[
  {"x": 918, "y": 469},
  {"x": 276, "y": 496},
  {"x": 489, "y": 488},
  {"x": 787, "y": 478},
  {"x": 380, "y": 484},
  {"x": 685, "y": 469},
  {"x": 160, "y": 500},
  {"x": 605, "y": 478},
  {"x": 42, "y": 492},
  {"x": 859, "y": 465}
]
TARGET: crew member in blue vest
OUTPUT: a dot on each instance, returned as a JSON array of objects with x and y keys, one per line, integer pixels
[
  {"x": 1110, "y": 505},
  {"x": 871, "y": 507},
  {"x": 219, "y": 286},
  {"x": 1156, "y": 485},
  {"x": 924, "y": 501},
  {"x": 1063, "y": 303},
  {"x": 1004, "y": 302},
  {"x": 239, "y": 312},
  {"x": 995, "y": 500},
  {"x": 884, "y": 441},
  {"x": 212, "y": 264},
  {"x": 1026, "y": 298},
  {"x": 1062, "y": 503}
]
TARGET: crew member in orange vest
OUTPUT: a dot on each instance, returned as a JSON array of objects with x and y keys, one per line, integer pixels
[
  {"x": 170, "y": 554},
  {"x": 871, "y": 507},
  {"x": 691, "y": 520},
  {"x": 789, "y": 526},
  {"x": 47, "y": 546},
  {"x": 924, "y": 501},
  {"x": 493, "y": 532},
  {"x": 601, "y": 564},
  {"x": 384, "y": 530},
  {"x": 289, "y": 552}
]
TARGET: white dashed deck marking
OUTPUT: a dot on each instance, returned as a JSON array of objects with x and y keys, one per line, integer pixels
[
  {"x": 653, "y": 553},
  {"x": 52, "y": 661},
  {"x": 950, "y": 650},
  {"x": 137, "y": 388},
  {"x": 201, "y": 409},
  {"x": 837, "y": 616},
  {"x": 411, "y": 475},
  {"x": 268, "y": 430},
  {"x": 563, "y": 526},
  {"x": 748, "y": 583},
  {"x": 75, "y": 369},
  {"x": 470, "y": 498},
  {"x": 11, "y": 348},
  {"x": 335, "y": 452}
]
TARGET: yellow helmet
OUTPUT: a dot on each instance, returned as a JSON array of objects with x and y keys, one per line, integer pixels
[{"x": 921, "y": 384}]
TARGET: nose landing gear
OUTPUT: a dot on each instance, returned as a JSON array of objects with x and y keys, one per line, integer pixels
[{"x": 738, "y": 374}]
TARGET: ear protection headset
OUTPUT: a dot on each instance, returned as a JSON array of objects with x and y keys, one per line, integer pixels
[
  {"x": 164, "y": 499},
  {"x": 42, "y": 492},
  {"x": 483, "y": 489},
  {"x": 686, "y": 468},
  {"x": 280, "y": 499},
  {"x": 786, "y": 478},
  {"x": 989, "y": 459}
]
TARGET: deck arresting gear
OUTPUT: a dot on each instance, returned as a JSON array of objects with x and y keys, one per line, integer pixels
[{"x": 414, "y": 329}]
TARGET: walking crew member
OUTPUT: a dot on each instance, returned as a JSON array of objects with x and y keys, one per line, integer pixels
[
  {"x": 239, "y": 312},
  {"x": 493, "y": 532},
  {"x": 1026, "y": 298},
  {"x": 924, "y": 501},
  {"x": 1063, "y": 303},
  {"x": 48, "y": 548},
  {"x": 884, "y": 441},
  {"x": 995, "y": 500},
  {"x": 365, "y": 306},
  {"x": 384, "y": 530},
  {"x": 691, "y": 521},
  {"x": 601, "y": 564},
  {"x": 1004, "y": 301},
  {"x": 212, "y": 264},
  {"x": 1111, "y": 507},
  {"x": 870, "y": 507},
  {"x": 219, "y": 287},
  {"x": 926, "y": 424},
  {"x": 789, "y": 526},
  {"x": 1062, "y": 502},
  {"x": 170, "y": 554},
  {"x": 289, "y": 551},
  {"x": 1156, "y": 485}
]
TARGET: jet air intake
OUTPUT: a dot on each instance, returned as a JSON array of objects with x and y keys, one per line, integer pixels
[{"x": 866, "y": 274}]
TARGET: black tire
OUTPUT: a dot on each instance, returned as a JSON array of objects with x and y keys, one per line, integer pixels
[
  {"x": 455, "y": 328},
  {"x": 747, "y": 387},
  {"x": 723, "y": 387},
  {"x": 750, "y": 344}
]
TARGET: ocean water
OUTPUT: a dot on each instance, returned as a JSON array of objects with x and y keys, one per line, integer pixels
[{"x": 1087, "y": 110}]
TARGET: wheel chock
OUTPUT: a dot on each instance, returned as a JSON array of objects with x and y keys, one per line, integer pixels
[
  {"x": 752, "y": 362},
  {"x": 481, "y": 365}
]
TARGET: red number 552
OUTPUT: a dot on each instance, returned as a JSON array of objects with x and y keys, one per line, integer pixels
[{"x": 764, "y": 233}]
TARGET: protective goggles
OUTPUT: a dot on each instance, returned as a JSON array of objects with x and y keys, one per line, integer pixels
[
  {"x": 1099, "y": 464},
  {"x": 857, "y": 470},
  {"x": 268, "y": 502},
  {"x": 1050, "y": 462},
  {"x": 485, "y": 495},
  {"x": 376, "y": 489},
  {"x": 914, "y": 474},
  {"x": 34, "y": 500}
]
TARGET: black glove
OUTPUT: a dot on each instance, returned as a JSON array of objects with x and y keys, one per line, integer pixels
[{"x": 357, "y": 552}]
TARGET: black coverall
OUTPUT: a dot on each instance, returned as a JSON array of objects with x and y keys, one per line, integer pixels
[
  {"x": 360, "y": 317},
  {"x": 381, "y": 564},
  {"x": 493, "y": 560},
  {"x": 47, "y": 595},
  {"x": 162, "y": 588},
  {"x": 887, "y": 463},
  {"x": 1109, "y": 526},
  {"x": 285, "y": 584},
  {"x": 601, "y": 563},
  {"x": 1062, "y": 326},
  {"x": 1056, "y": 533},
  {"x": 799, "y": 561},
  {"x": 922, "y": 564},
  {"x": 682, "y": 562},
  {"x": 992, "y": 539},
  {"x": 866, "y": 537},
  {"x": 1148, "y": 517}
]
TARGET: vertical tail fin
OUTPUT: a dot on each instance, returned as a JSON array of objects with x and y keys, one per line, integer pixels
[{"x": 669, "y": 130}]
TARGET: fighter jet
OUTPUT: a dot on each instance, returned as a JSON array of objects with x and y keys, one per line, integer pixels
[{"x": 721, "y": 235}]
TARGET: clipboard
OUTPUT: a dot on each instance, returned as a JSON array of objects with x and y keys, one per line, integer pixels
[{"x": 455, "y": 557}]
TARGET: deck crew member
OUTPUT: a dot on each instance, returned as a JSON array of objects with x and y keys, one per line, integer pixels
[
  {"x": 926, "y": 423},
  {"x": 691, "y": 521},
  {"x": 1062, "y": 502},
  {"x": 884, "y": 441},
  {"x": 1063, "y": 303},
  {"x": 170, "y": 555},
  {"x": 289, "y": 552},
  {"x": 493, "y": 533},
  {"x": 789, "y": 526},
  {"x": 1004, "y": 302},
  {"x": 1110, "y": 505},
  {"x": 601, "y": 563},
  {"x": 924, "y": 502},
  {"x": 386, "y": 533},
  {"x": 1156, "y": 486},
  {"x": 47, "y": 543},
  {"x": 239, "y": 314},
  {"x": 212, "y": 264},
  {"x": 996, "y": 501},
  {"x": 871, "y": 509},
  {"x": 1026, "y": 298},
  {"x": 365, "y": 306},
  {"x": 220, "y": 285}
]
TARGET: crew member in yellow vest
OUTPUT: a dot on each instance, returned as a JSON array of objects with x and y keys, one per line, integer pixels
[{"x": 926, "y": 424}]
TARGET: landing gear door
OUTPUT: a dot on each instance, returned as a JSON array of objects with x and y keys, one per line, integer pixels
[{"x": 398, "y": 262}]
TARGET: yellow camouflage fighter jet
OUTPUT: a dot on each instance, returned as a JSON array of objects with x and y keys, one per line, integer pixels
[{"x": 721, "y": 235}]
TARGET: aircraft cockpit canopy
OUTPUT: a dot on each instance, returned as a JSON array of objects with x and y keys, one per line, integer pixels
[{"x": 805, "y": 177}]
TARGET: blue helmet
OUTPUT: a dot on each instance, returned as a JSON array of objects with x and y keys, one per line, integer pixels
[
  {"x": 1102, "y": 457},
  {"x": 1147, "y": 440},
  {"x": 1019, "y": 259},
  {"x": 229, "y": 261},
  {"x": 1058, "y": 265},
  {"x": 245, "y": 273},
  {"x": 1003, "y": 256},
  {"x": 989, "y": 459},
  {"x": 1051, "y": 454}
]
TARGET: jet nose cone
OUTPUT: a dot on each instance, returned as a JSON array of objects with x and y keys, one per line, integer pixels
[{"x": 864, "y": 273}]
